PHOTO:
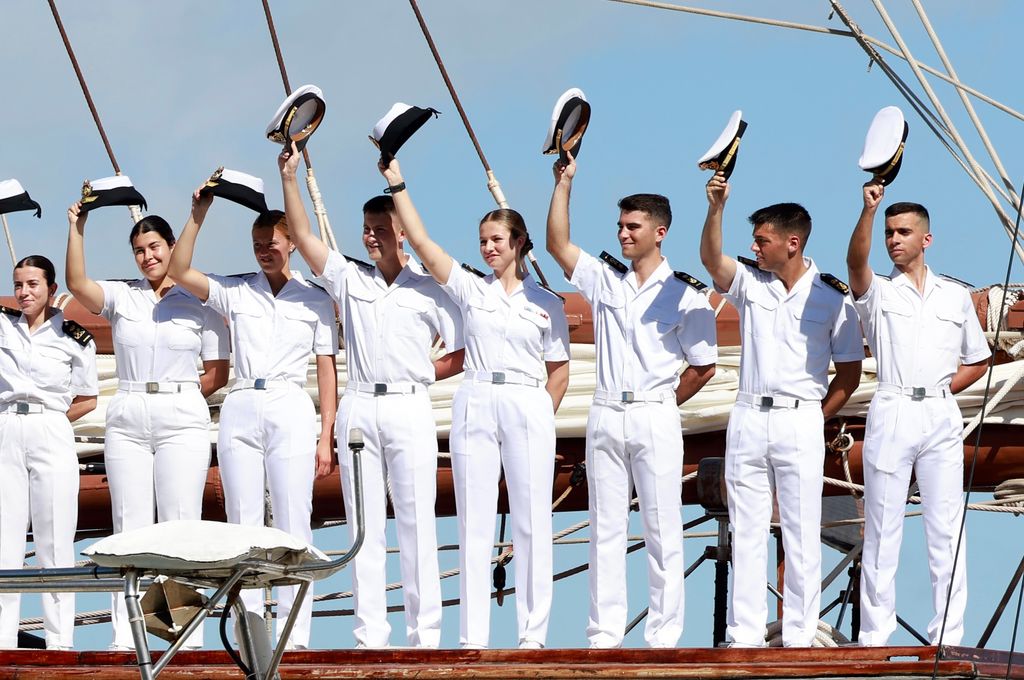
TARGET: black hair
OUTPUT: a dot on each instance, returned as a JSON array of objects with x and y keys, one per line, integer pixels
[
  {"x": 152, "y": 223},
  {"x": 789, "y": 218},
  {"x": 379, "y": 205},
  {"x": 908, "y": 207},
  {"x": 41, "y": 262},
  {"x": 272, "y": 219},
  {"x": 655, "y": 205}
]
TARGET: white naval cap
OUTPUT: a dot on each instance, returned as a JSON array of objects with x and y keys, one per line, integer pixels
[
  {"x": 722, "y": 154},
  {"x": 106, "y": 191},
  {"x": 13, "y": 198},
  {"x": 396, "y": 127},
  {"x": 883, "y": 145},
  {"x": 569, "y": 120},
  {"x": 298, "y": 117},
  {"x": 237, "y": 186}
]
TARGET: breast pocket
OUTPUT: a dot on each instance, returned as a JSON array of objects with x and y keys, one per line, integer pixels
[
  {"x": 760, "y": 314},
  {"x": 299, "y": 327},
  {"x": 132, "y": 329},
  {"x": 948, "y": 329},
  {"x": 411, "y": 318},
  {"x": 898, "y": 320},
  {"x": 51, "y": 367},
  {"x": 481, "y": 317},
  {"x": 183, "y": 333},
  {"x": 249, "y": 324}
]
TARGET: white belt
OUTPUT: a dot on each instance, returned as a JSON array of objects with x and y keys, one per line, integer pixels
[
  {"x": 156, "y": 387},
  {"x": 774, "y": 401},
  {"x": 502, "y": 378},
  {"x": 260, "y": 384},
  {"x": 632, "y": 397},
  {"x": 22, "y": 408},
  {"x": 381, "y": 389},
  {"x": 916, "y": 393}
]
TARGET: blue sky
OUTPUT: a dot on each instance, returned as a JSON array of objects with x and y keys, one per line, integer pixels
[{"x": 184, "y": 87}]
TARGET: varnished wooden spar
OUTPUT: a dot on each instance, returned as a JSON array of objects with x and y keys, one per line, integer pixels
[{"x": 848, "y": 662}]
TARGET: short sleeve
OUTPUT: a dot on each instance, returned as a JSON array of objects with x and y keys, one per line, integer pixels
[
  {"x": 213, "y": 337},
  {"x": 219, "y": 298},
  {"x": 588, "y": 277},
  {"x": 974, "y": 347},
  {"x": 325, "y": 335},
  {"x": 113, "y": 293},
  {"x": 556, "y": 341},
  {"x": 459, "y": 285},
  {"x": 84, "y": 382},
  {"x": 697, "y": 334},
  {"x": 847, "y": 340},
  {"x": 737, "y": 291},
  {"x": 335, "y": 272},
  {"x": 449, "y": 320}
]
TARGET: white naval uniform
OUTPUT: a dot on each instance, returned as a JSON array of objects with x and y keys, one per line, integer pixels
[
  {"x": 788, "y": 339},
  {"x": 634, "y": 437},
  {"x": 157, "y": 448},
  {"x": 919, "y": 342},
  {"x": 503, "y": 418},
  {"x": 40, "y": 374},
  {"x": 268, "y": 427},
  {"x": 389, "y": 330}
]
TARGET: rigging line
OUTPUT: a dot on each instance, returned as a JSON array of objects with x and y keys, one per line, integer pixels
[
  {"x": 920, "y": 107},
  {"x": 85, "y": 88},
  {"x": 948, "y": 65},
  {"x": 1013, "y": 637},
  {"x": 825, "y": 31},
  {"x": 492, "y": 182},
  {"x": 280, "y": 64},
  {"x": 975, "y": 167},
  {"x": 977, "y": 436}
]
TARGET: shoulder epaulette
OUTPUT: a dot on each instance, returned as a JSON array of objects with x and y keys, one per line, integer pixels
[
  {"x": 76, "y": 332},
  {"x": 956, "y": 280},
  {"x": 883, "y": 276},
  {"x": 548, "y": 289},
  {"x": 244, "y": 275},
  {"x": 747, "y": 261},
  {"x": 473, "y": 270},
  {"x": 314, "y": 284},
  {"x": 689, "y": 280},
  {"x": 607, "y": 258},
  {"x": 835, "y": 283},
  {"x": 359, "y": 263},
  {"x": 123, "y": 280},
  {"x": 8, "y": 310}
]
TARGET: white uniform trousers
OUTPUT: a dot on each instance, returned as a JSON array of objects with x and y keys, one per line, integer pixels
[
  {"x": 38, "y": 482},
  {"x": 780, "y": 450},
  {"x": 641, "y": 445},
  {"x": 399, "y": 461},
  {"x": 268, "y": 438},
  {"x": 511, "y": 427},
  {"x": 923, "y": 437},
  {"x": 157, "y": 454}
]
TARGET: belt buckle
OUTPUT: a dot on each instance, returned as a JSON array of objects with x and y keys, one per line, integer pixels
[
  {"x": 766, "y": 402},
  {"x": 380, "y": 388},
  {"x": 259, "y": 384},
  {"x": 152, "y": 387},
  {"x": 498, "y": 378},
  {"x": 21, "y": 408},
  {"x": 918, "y": 393},
  {"x": 627, "y": 397}
]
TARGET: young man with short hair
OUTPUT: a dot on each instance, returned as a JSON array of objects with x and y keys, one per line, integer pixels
[
  {"x": 648, "y": 320},
  {"x": 793, "y": 322},
  {"x": 926, "y": 338}
]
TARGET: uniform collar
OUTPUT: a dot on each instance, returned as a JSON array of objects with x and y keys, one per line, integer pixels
[
  {"x": 662, "y": 272},
  {"x": 899, "y": 278},
  {"x": 808, "y": 278},
  {"x": 264, "y": 284},
  {"x": 51, "y": 324}
]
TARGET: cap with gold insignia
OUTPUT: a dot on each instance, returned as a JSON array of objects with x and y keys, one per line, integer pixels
[
  {"x": 569, "y": 120},
  {"x": 116, "y": 190},
  {"x": 722, "y": 154},
  {"x": 883, "y": 145},
  {"x": 396, "y": 127},
  {"x": 298, "y": 117},
  {"x": 13, "y": 198},
  {"x": 237, "y": 186}
]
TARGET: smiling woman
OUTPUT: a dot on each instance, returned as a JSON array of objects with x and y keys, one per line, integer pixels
[{"x": 47, "y": 380}]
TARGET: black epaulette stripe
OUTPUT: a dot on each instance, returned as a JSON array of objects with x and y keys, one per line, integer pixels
[
  {"x": 956, "y": 280},
  {"x": 542, "y": 286},
  {"x": 8, "y": 310},
  {"x": 689, "y": 280},
  {"x": 747, "y": 261},
  {"x": 883, "y": 276},
  {"x": 835, "y": 283},
  {"x": 473, "y": 270},
  {"x": 607, "y": 258},
  {"x": 364, "y": 265},
  {"x": 76, "y": 332},
  {"x": 244, "y": 275},
  {"x": 316, "y": 285}
]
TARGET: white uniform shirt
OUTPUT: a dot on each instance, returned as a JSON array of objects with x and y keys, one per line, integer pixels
[
  {"x": 389, "y": 330},
  {"x": 272, "y": 337},
  {"x": 513, "y": 333},
  {"x": 920, "y": 341},
  {"x": 789, "y": 337},
  {"x": 642, "y": 336},
  {"x": 46, "y": 367},
  {"x": 158, "y": 339}
]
